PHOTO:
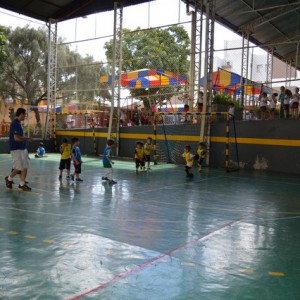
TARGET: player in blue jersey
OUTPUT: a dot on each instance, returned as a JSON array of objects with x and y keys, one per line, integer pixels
[{"x": 107, "y": 162}]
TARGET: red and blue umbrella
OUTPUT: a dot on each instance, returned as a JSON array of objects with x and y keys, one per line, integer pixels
[{"x": 147, "y": 78}]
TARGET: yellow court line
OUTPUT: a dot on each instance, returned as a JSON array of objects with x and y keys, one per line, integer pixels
[
  {"x": 247, "y": 271},
  {"x": 13, "y": 232},
  {"x": 276, "y": 274},
  {"x": 30, "y": 237},
  {"x": 48, "y": 241}
]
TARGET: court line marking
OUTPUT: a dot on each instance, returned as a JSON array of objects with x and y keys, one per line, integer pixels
[{"x": 162, "y": 256}]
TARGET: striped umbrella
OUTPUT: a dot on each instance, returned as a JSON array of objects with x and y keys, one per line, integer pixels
[{"x": 147, "y": 78}]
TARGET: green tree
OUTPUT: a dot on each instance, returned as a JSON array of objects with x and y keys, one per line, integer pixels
[
  {"x": 158, "y": 48},
  {"x": 24, "y": 72},
  {"x": 24, "y": 67},
  {"x": 79, "y": 76},
  {"x": 3, "y": 53}
]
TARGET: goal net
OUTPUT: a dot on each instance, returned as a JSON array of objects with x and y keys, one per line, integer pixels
[{"x": 173, "y": 131}]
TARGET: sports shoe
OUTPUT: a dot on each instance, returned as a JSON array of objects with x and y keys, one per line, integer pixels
[
  {"x": 112, "y": 182},
  {"x": 9, "y": 183},
  {"x": 149, "y": 169},
  {"x": 105, "y": 178},
  {"x": 79, "y": 180},
  {"x": 25, "y": 188},
  {"x": 72, "y": 177},
  {"x": 60, "y": 177}
]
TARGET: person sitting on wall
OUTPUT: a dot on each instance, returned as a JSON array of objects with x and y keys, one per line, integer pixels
[{"x": 40, "y": 152}]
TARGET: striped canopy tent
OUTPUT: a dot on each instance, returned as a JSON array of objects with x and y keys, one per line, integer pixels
[
  {"x": 230, "y": 83},
  {"x": 147, "y": 78}
]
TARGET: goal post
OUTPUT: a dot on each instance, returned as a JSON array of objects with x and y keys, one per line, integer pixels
[{"x": 172, "y": 131}]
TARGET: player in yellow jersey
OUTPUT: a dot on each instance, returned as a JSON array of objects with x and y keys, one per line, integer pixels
[
  {"x": 65, "y": 159},
  {"x": 200, "y": 156},
  {"x": 139, "y": 157},
  {"x": 189, "y": 161},
  {"x": 148, "y": 147}
]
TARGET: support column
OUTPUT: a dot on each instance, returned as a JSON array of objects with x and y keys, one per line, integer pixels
[
  {"x": 51, "y": 78},
  {"x": 269, "y": 78},
  {"x": 208, "y": 73},
  {"x": 116, "y": 71},
  {"x": 244, "y": 64},
  {"x": 196, "y": 48}
]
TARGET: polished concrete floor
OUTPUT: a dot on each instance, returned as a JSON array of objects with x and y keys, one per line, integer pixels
[{"x": 155, "y": 235}]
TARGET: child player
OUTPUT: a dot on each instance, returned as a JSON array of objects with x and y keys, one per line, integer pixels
[
  {"x": 148, "y": 147},
  {"x": 76, "y": 157},
  {"x": 200, "y": 156},
  {"x": 189, "y": 161},
  {"x": 65, "y": 158},
  {"x": 139, "y": 157},
  {"x": 107, "y": 162},
  {"x": 40, "y": 152}
]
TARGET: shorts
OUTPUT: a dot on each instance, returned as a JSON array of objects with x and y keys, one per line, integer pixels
[
  {"x": 77, "y": 168},
  {"x": 20, "y": 159},
  {"x": 107, "y": 165},
  {"x": 65, "y": 164},
  {"x": 200, "y": 161},
  {"x": 263, "y": 108},
  {"x": 139, "y": 163},
  {"x": 286, "y": 106},
  {"x": 200, "y": 107},
  {"x": 147, "y": 157},
  {"x": 295, "y": 105}
]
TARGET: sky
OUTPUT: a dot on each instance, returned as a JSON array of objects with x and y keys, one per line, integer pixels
[
  {"x": 87, "y": 35},
  {"x": 96, "y": 29}
]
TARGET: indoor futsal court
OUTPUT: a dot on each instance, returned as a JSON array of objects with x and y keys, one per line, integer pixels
[{"x": 153, "y": 235}]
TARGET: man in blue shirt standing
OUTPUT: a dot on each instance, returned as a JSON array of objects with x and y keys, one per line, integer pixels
[{"x": 18, "y": 150}]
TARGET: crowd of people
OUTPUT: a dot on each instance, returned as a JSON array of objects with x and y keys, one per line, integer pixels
[{"x": 287, "y": 101}]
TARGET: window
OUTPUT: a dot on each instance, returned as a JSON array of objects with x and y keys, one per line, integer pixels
[{"x": 259, "y": 68}]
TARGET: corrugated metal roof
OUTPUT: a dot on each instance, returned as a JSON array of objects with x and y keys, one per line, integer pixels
[
  {"x": 61, "y": 10},
  {"x": 273, "y": 24}
]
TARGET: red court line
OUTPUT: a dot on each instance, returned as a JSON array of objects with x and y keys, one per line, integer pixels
[{"x": 155, "y": 259}]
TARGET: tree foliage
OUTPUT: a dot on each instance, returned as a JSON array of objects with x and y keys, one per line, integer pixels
[
  {"x": 164, "y": 48},
  {"x": 3, "y": 53},
  {"x": 24, "y": 70}
]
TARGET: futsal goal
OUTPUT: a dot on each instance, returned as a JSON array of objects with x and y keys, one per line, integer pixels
[{"x": 173, "y": 131}]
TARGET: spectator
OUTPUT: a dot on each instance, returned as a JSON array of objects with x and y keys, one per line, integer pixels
[
  {"x": 231, "y": 110},
  {"x": 286, "y": 103},
  {"x": 281, "y": 100},
  {"x": 200, "y": 101},
  {"x": 272, "y": 105},
  {"x": 123, "y": 117},
  {"x": 263, "y": 101},
  {"x": 136, "y": 116},
  {"x": 295, "y": 104}
]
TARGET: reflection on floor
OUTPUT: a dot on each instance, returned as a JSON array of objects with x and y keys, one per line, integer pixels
[{"x": 153, "y": 235}]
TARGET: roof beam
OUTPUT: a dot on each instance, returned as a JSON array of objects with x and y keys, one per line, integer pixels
[
  {"x": 288, "y": 37},
  {"x": 268, "y": 17}
]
